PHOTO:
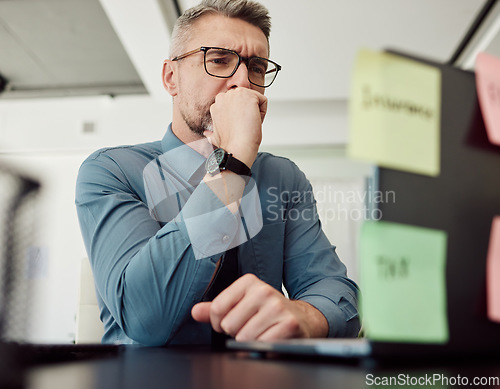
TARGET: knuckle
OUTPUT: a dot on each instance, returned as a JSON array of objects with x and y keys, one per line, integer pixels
[
  {"x": 249, "y": 277},
  {"x": 261, "y": 292},
  {"x": 291, "y": 325},
  {"x": 276, "y": 305},
  {"x": 219, "y": 97},
  {"x": 267, "y": 291},
  {"x": 227, "y": 327},
  {"x": 216, "y": 308}
]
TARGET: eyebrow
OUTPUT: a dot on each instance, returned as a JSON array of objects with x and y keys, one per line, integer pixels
[{"x": 250, "y": 56}]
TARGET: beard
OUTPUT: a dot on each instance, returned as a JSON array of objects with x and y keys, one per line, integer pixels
[{"x": 199, "y": 119}]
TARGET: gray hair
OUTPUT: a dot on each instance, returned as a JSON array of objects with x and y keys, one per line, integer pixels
[{"x": 250, "y": 11}]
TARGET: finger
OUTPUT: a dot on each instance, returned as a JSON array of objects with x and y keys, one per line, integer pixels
[
  {"x": 228, "y": 299},
  {"x": 260, "y": 308},
  {"x": 288, "y": 325},
  {"x": 285, "y": 326},
  {"x": 262, "y": 106},
  {"x": 271, "y": 313},
  {"x": 278, "y": 331},
  {"x": 221, "y": 306},
  {"x": 201, "y": 312},
  {"x": 239, "y": 315}
]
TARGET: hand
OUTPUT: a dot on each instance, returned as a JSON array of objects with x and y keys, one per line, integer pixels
[
  {"x": 237, "y": 117},
  {"x": 250, "y": 309}
]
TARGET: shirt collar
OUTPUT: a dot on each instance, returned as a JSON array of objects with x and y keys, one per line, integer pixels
[{"x": 180, "y": 157}]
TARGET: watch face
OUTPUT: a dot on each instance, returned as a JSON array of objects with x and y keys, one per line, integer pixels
[{"x": 214, "y": 160}]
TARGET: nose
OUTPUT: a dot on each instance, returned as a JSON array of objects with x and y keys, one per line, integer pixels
[{"x": 240, "y": 77}]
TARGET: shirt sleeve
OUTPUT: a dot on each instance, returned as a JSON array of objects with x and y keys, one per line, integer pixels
[
  {"x": 212, "y": 228},
  {"x": 148, "y": 276}
]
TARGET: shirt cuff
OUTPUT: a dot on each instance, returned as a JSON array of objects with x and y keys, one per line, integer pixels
[{"x": 342, "y": 316}]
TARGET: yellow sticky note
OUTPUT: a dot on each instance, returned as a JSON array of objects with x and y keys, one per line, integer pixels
[
  {"x": 488, "y": 91},
  {"x": 395, "y": 110},
  {"x": 403, "y": 283},
  {"x": 493, "y": 272}
]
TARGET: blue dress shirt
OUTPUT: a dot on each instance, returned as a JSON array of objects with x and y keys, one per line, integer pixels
[{"x": 154, "y": 233}]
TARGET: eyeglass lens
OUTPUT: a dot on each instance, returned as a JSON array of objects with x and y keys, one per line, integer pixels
[{"x": 222, "y": 63}]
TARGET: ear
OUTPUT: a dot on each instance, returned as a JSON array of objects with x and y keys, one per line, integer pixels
[{"x": 169, "y": 77}]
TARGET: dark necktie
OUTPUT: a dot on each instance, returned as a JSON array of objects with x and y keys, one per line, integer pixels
[{"x": 226, "y": 274}]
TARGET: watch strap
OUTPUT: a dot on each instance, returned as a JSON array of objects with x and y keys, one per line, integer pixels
[
  {"x": 236, "y": 166},
  {"x": 220, "y": 160}
]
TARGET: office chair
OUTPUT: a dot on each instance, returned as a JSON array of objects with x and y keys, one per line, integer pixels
[{"x": 89, "y": 328}]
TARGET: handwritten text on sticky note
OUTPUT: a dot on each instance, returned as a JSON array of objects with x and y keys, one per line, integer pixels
[
  {"x": 394, "y": 113},
  {"x": 403, "y": 284}
]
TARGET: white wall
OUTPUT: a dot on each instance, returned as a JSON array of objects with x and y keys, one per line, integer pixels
[
  {"x": 45, "y": 138},
  {"x": 54, "y": 276}
]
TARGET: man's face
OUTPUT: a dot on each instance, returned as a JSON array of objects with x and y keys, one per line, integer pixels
[{"x": 197, "y": 89}]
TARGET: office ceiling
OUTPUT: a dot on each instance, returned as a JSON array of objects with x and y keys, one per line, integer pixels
[
  {"x": 112, "y": 47},
  {"x": 62, "y": 47}
]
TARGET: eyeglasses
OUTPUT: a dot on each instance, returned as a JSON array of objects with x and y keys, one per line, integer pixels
[{"x": 223, "y": 63}]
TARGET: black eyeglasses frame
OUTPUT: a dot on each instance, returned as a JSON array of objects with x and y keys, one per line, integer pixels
[{"x": 241, "y": 59}]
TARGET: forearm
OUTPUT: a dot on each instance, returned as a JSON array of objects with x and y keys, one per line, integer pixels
[
  {"x": 150, "y": 291},
  {"x": 149, "y": 276},
  {"x": 160, "y": 285}
]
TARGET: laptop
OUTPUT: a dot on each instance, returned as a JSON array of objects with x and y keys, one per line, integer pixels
[
  {"x": 337, "y": 348},
  {"x": 461, "y": 201}
]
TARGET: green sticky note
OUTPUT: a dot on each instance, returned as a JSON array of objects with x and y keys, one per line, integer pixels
[
  {"x": 403, "y": 283},
  {"x": 394, "y": 113}
]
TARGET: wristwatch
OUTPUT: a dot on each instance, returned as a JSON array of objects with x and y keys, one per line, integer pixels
[{"x": 220, "y": 160}]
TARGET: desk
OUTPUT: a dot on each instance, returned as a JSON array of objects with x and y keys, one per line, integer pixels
[{"x": 150, "y": 368}]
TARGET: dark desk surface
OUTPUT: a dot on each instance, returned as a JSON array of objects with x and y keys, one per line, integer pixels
[{"x": 150, "y": 368}]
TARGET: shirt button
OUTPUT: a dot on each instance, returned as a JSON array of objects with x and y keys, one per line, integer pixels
[{"x": 225, "y": 238}]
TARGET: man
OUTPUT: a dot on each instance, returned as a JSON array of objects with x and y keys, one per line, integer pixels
[{"x": 165, "y": 222}]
